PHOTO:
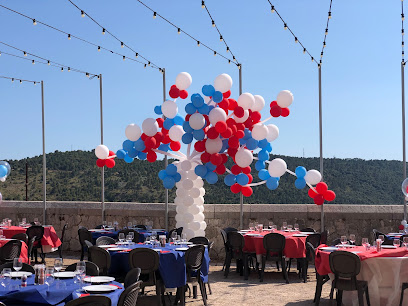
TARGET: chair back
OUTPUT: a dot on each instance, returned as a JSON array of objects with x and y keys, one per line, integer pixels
[
  {"x": 387, "y": 240},
  {"x": 30, "y": 246},
  {"x": 274, "y": 242},
  {"x": 314, "y": 239},
  {"x": 307, "y": 229},
  {"x": 25, "y": 268},
  {"x": 91, "y": 269},
  {"x": 178, "y": 230},
  {"x": 84, "y": 234},
  {"x": 132, "y": 277},
  {"x": 100, "y": 226},
  {"x": 224, "y": 236},
  {"x": 129, "y": 296},
  {"x": 10, "y": 250},
  {"x": 194, "y": 257},
  {"x": 101, "y": 258},
  {"x": 105, "y": 240},
  {"x": 310, "y": 252},
  {"x": 141, "y": 226},
  {"x": 199, "y": 240},
  {"x": 21, "y": 236},
  {"x": 148, "y": 262},
  {"x": 236, "y": 241},
  {"x": 91, "y": 300},
  {"x": 37, "y": 231},
  {"x": 345, "y": 265},
  {"x": 323, "y": 237},
  {"x": 230, "y": 229},
  {"x": 63, "y": 233}
]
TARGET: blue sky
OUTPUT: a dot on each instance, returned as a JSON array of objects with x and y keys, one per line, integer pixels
[{"x": 361, "y": 70}]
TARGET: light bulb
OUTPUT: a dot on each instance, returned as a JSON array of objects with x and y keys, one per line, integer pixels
[
  {"x": 12, "y": 79},
  {"x": 239, "y": 66},
  {"x": 103, "y": 31},
  {"x": 221, "y": 38},
  {"x": 122, "y": 44},
  {"x": 69, "y": 36},
  {"x": 21, "y": 82},
  {"x": 33, "y": 62},
  {"x": 296, "y": 40},
  {"x": 62, "y": 69},
  {"x": 35, "y": 83},
  {"x": 69, "y": 69},
  {"x": 202, "y": 4},
  {"x": 272, "y": 9},
  {"x": 137, "y": 54},
  {"x": 148, "y": 63},
  {"x": 154, "y": 15},
  {"x": 87, "y": 74},
  {"x": 233, "y": 58},
  {"x": 321, "y": 55},
  {"x": 324, "y": 44},
  {"x": 227, "y": 49},
  {"x": 312, "y": 58},
  {"x": 285, "y": 26},
  {"x": 25, "y": 53},
  {"x": 213, "y": 23},
  {"x": 178, "y": 30},
  {"x": 34, "y": 22},
  {"x": 48, "y": 62},
  {"x": 304, "y": 50},
  {"x": 329, "y": 15},
  {"x": 82, "y": 14},
  {"x": 124, "y": 57},
  {"x": 326, "y": 31},
  {"x": 99, "y": 48},
  {"x": 215, "y": 53},
  {"x": 229, "y": 61},
  {"x": 145, "y": 65},
  {"x": 198, "y": 43}
]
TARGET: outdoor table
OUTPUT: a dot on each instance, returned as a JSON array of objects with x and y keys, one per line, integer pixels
[
  {"x": 24, "y": 250},
  {"x": 61, "y": 291},
  {"x": 50, "y": 240},
  {"x": 143, "y": 234},
  {"x": 384, "y": 271}
]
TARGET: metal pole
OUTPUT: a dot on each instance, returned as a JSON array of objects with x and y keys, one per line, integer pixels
[
  {"x": 166, "y": 162},
  {"x": 26, "y": 184},
  {"x": 241, "y": 197},
  {"x": 44, "y": 158},
  {"x": 404, "y": 162},
  {"x": 321, "y": 142},
  {"x": 103, "y": 168}
]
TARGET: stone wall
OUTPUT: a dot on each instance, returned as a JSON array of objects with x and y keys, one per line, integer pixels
[{"x": 339, "y": 219}]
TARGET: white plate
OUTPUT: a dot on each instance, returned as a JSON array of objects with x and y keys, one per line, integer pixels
[
  {"x": 357, "y": 252},
  {"x": 115, "y": 249},
  {"x": 99, "y": 288},
  {"x": 307, "y": 233},
  {"x": 157, "y": 250},
  {"x": 18, "y": 274},
  {"x": 181, "y": 249},
  {"x": 106, "y": 246},
  {"x": 64, "y": 274},
  {"x": 122, "y": 243},
  {"x": 329, "y": 249},
  {"x": 395, "y": 234},
  {"x": 253, "y": 235},
  {"x": 99, "y": 279},
  {"x": 388, "y": 247},
  {"x": 346, "y": 245},
  {"x": 299, "y": 235},
  {"x": 245, "y": 230}
]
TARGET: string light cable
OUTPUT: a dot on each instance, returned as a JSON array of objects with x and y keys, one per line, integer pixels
[
  {"x": 326, "y": 31},
  {"x": 20, "y": 80},
  {"x": 402, "y": 32},
  {"x": 203, "y": 5},
  {"x": 99, "y": 47}
]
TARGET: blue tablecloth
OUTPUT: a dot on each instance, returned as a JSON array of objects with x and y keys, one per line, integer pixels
[
  {"x": 143, "y": 234},
  {"x": 60, "y": 292},
  {"x": 172, "y": 265}
]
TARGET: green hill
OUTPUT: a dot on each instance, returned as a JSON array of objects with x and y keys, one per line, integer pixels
[{"x": 74, "y": 176}]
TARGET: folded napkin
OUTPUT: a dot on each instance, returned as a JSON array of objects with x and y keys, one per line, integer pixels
[
  {"x": 84, "y": 294},
  {"x": 140, "y": 243},
  {"x": 119, "y": 287},
  {"x": 164, "y": 252},
  {"x": 125, "y": 251}
]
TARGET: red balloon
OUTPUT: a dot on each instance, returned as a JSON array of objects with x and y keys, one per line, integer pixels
[
  {"x": 175, "y": 145},
  {"x": 276, "y": 111},
  {"x": 220, "y": 169},
  {"x": 164, "y": 131},
  {"x": 143, "y": 136},
  {"x": 166, "y": 139},
  {"x": 246, "y": 191},
  {"x": 285, "y": 112},
  {"x": 212, "y": 133},
  {"x": 100, "y": 162},
  {"x": 227, "y": 94},
  {"x": 232, "y": 104},
  {"x": 187, "y": 117},
  {"x": 227, "y": 133},
  {"x": 221, "y": 126},
  {"x": 110, "y": 163},
  {"x": 205, "y": 157},
  {"x": 174, "y": 92},
  {"x": 249, "y": 124},
  {"x": 321, "y": 187},
  {"x": 216, "y": 159},
  {"x": 199, "y": 146},
  {"x": 183, "y": 94},
  {"x": 329, "y": 195},
  {"x": 224, "y": 104},
  {"x": 312, "y": 193},
  {"x": 319, "y": 199},
  {"x": 273, "y": 103},
  {"x": 246, "y": 170},
  {"x": 230, "y": 122},
  {"x": 232, "y": 151},
  {"x": 235, "y": 169},
  {"x": 236, "y": 188},
  {"x": 160, "y": 122},
  {"x": 251, "y": 178},
  {"x": 150, "y": 142},
  {"x": 233, "y": 142},
  {"x": 239, "y": 112},
  {"x": 234, "y": 129},
  {"x": 240, "y": 126},
  {"x": 401, "y": 227},
  {"x": 256, "y": 116},
  {"x": 224, "y": 158},
  {"x": 151, "y": 156},
  {"x": 159, "y": 136},
  {"x": 239, "y": 134}
]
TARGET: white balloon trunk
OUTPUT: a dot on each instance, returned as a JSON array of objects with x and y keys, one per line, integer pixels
[{"x": 190, "y": 201}]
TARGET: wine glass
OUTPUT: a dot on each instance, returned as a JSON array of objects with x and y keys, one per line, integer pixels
[
  {"x": 49, "y": 277},
  {"x": 110, "y": 224},
  {"x": 129, "y": 224},
  {"x": 364, "y": 243},
  {"x": 58, "y": 264},
  {"x": 183, "y": 237},
  {"x": 284, "y": 225},
  {"x": 132, "y": 236},
  {"x": 343, "y": 240},
  {"x": 270, "y": 224},
  {"x": 382, "y": 238},
  {"x": 174, "y": 236},
  {"x": 352, "y": 239},
  {"x": 274, "y": 227},
  {"x": 81, "y": 266},
  {"x": 251, "y": 226},
  {"x": 17, "y": 264},
  {"x": 6, "y": 277},
  {"x": 396, "y": 243},
  {"x": 121, "y": 237},
  {"x": 296, "y": 227},
  {"x": 129, "y": 239},
  {"x": 290, "y": 227}
]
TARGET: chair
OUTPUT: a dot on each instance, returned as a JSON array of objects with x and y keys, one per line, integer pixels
[
  {"x": 83, "y": 235},
  {"x": 199, "y": 240},
  {"x": 148, "y": 262},
  {"x": 30, "y": 246},
  {"x": 143, "y": 227},
  {"x": 346, "y": 266},
  {"x": 100, "y": 226},
  {"x": 323, "y": 237},
  {"x": 105, "y": 240},
  {"x": 314, "y": 240},
  {"x": 274, "y": 245},
  {"x": 236, "y": 244},
  {"x": 387, "y": 240},
  {"x": 91, "y": 269},
  {"x": 62, "y": 240},
  {"x": 230, "y": 229},
  {"x": 129, "y": 296},
  {"x": 25, "y": 268},
  {"x": 10, "y": 250},
  {"x": 101, "y": 258},
  {"x": 21, "y": 236},
  {"x": 132, "y": 277},
  {"x": 404, "y": 286},
  {"x": 226, "y": 246},
  {"x": 36, "y": 231},
  {"x": 178, "y": 230},
  {"x": 91, "y": 300},
  {"x": 307, "y": 229}
]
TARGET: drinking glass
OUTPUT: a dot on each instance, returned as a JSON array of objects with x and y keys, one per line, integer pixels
[
  {"x": 270, "y": 224},
  {"x": 17, "y": 264},
  {"x": 104, "y": 224},
  {"x": 343, "y": 240},
  {"x": 284, "y": 225},
  {"x": 147, "y": 240},
  {"x": 251, "y": 226},
  {"x": 405, "y": 242},
  {"x": 260, "y": 228},
  {"x": 81, "y": 267},
  {"x": 129, "y": 239},
  {"x": 58, "y": 264},
  {"x": 274, "y": 227},
  {"x": 36, "y": 221},
  {"x": 296, "y": 227},
  {"x": 24, "y": 221},
  {"x": 352, "y": 238},
  {"x": 153, "y": 236},
  {"x": 110, "y": 224},
  {"x": 364, "y": 243},
  {"x": 183, "y": 237},
  {"x": 121, "y": 237},
  {"x": 6, "y": 277},
  {"x": 132, "y": 234},
  {"x": 381, "y": 237},
  {"x": 129, "y": 224},
  {"x": 290, "y": 227},
  {"x": 396, "y": 243},
  {"x": 174, "y": 236},
  {"x": 49, "y": 277}
]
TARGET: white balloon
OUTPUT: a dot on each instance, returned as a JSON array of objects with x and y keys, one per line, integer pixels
[
  {"x": 169, "y": 109},
  {"x": 404, "y": 222},
  {"x": 246, "y": 100},
  {"x": 189, "y": 233},
  {"x": 185, "y": 165},
  {"x": 277, "y": 167},
  {"x": 133, "y": 132},
  {"x": 176, "y": 132},
  {"x": 178, "y": 200},
  {"x": 178, "y": 217},
  {"x": 187, "y": 217},
  {"x": 223, "y": 82},
  {"x": 285, "y": 98},
  {"x": 313, "y": 177},
  {"x": 188, "y": 201},
  {"x": 199, "y": 217},
  {"x": 195, "y": 226},
  {"x": 3, "y": 179},
  {"x": 259, "y": 131},
  {"x": 191, "y": 175},
  {"x": 150, "y": 127},
  {"x": 273, "y": 132},
  {"x": 180, "y": 223},
  {"x": 181, "y": 192},
  {"x": 259, "y": 103},
  {"x": 181, "y": 209},
  {"x": 217, "y": 114},
  {"x": 203, "y": 225},
  {"x": 198, "y": 183},
  {"x": 200, "y": 200},
  {"x": 200, "y": 233},
  {"x": 194, "y": 209},
  {"x": 102, "y": 152},
  {"x": 183, "y": 80},
  {"x": 243, "y": 119},
  {"x": 243, "y": 158},
  {"x": 188, "y": 184},
  {"x": 201, "y": 208},
  {"x": 196, "y": 121},
  {"x": 202, "y": 191},
  {"x": 194, "y": 192},
  {"x": 213, "y": 145}
]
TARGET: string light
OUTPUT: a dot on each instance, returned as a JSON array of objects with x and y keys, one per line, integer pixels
[
  {"x": 213, "y": 23},
  {"x": 402, "y": 33},
  {"x": 33, "y": 62},
  {"x": 34, "y": 22},
  {"x": 285, "y": 26},
  {"x": 154, "y": 15},
  {"x": 272, "y": 9},
  {"x": 178, "y": 30},
  {"x": 82, "y": 14},
  {"x": 103, "y": 31},
  {"x": 99, "y": 48},
  {"x": 326, "y": 31},
  {"x": 69, "y": 36},
  {"x": 202, "y": 4},
  {"x": 198, "y": 43}
]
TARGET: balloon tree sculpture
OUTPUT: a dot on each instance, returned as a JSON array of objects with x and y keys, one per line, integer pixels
[
  {"x": 5, "y": 170},
  {"x": 221, "y": 128}
]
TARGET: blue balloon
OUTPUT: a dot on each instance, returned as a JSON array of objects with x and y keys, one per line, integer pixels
[
  {"x": 264, "y": 174},
  {"x": 217, "y": 97},
  {"x": 263, "y": 143},
  {"x": 178, "y": 120},
  {"x": 242, "y": 141},
  {"x": 171, "y": 169},
  {"x": 211, "y": 177},
  {"x": 162, "y": 174},
  {"x": 204, "y": 110},
  {"x": 3, "y": 171},
  {"x": 177, "y": 177},
  {"x": 229, "y": 180},
  {"x": 272, "y": 183},
  {"x": 242, "y": 179},
  {"x": 201, "y": 170},
  {"x": 190, "y": 109},
  {"x": 128, "y": 145},
  {"x": 300, "y": 171},
  {"x": 128, "y": 159},
  {"x": 199, "y": 134},
  {"x": 263, "y": 155},
  {"x": 268, "y": 147},
  {"x": 121, "y": 154},
  {"x": 157, "y": 110},
  {"x": 197, "y": 100},
  {"x": 164, "y": 147},
  {"x": 187, "y": 128},
  {"x": 139, "y": 145},
  {"x": 224, "y": 145},
  {"x": 169, "y": 182},
  {"x": 210, "y": 166},
  {"x": 208, "y": 90},
  {"x": 252, "y": 144},
  {"x": 300, "y": 183},
  {"x": 142, "y": 155},
  {"x": 187, "y": 138},
  {"x": 259, "y": 165},
  {"x": 210, "y": 108},
  {"x": 168, "y": 123},
  {"x": 133, "y": 153}
]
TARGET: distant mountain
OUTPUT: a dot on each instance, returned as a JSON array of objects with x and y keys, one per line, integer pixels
[{"x": 74, "y": 176}]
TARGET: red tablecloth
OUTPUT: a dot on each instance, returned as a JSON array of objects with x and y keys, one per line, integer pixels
[
  {"x": 294, "y": 247},
  {"x": 24, "y": 249},
  {"x": 50, "y": 236},
  {"x": 322, "y": 258}
]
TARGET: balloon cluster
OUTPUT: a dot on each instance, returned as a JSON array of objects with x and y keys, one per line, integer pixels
[
  {"x": 5, "y": 170},
  {"x": 105, "y": 157},
  {"x": 221, "y": 128}
]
